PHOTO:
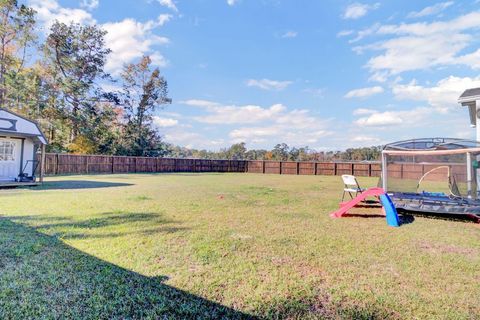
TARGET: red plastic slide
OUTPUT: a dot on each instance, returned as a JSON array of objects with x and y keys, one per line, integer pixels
[{"x": 344, "y": 207}]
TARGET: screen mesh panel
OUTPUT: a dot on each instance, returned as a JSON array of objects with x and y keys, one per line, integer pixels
[{"x": 429, "y": 173}]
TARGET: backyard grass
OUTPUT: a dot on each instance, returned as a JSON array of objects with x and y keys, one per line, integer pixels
[{"x": 224, "y": 246}]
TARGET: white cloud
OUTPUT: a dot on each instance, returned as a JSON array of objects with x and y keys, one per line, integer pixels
[
  {"x": 200, "y": 103},
  {"x": 89, "y": 4},
  {"x": 244, "y": 134},
  {"x": 365, "y": 139},
  {"x": 364, "y": 92},
  {"x": 290, "y": 34},
  {"x": 183, "y": 136},
  {"x": 267, "y": 84},
  {"x": 470, "y": 59},
  {"x": 358, "y": 10},
  {"x": 365, "y": 33},
  {"x": 421, "y": 45},
  {"x": 49, "y": 11},
  {"x": 164, "y": 122},
  {"x": 130, "y": 40},
  {"x": 442, "y": 97},
  {"x": 169, "y": 4},
  {"x": 416, "y": 53},
  {"x": 231, "y": 114},
  {"x": 431, "y": 10},
  {"x": 162, "y": 19},
  {"x": 240, "y": 114},
  {"x": 345, "y": 33},
  {"x": 399, "y": 118},
  {"x": 232, "y": 2},
  {"x": 363, "y": 111},
  {"x": 275, "y": 123},
  {"x": 277, "y": 133}
]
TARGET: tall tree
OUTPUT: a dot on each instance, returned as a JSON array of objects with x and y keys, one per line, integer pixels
[
  {"x": 145, "y": 90},
  {"x": 16, "y": 34},
  {"x": 280, "y": 151},
  {"x": 236, "y": 151},
  {"x": 76, "y": 56}
]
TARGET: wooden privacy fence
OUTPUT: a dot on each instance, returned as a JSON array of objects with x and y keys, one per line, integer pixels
[
  {"x": 370, "y": 169},
  {"x": 84, "y": 164},
  {"x": 58, "y": 163}
]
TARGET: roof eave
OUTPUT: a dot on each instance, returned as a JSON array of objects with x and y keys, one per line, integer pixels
[{"x": 468, "y": 99}]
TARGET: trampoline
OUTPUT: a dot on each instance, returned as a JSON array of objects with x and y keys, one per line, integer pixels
[{"x": 433, "y": 176}]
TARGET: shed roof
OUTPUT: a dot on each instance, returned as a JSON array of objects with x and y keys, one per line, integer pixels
[
  {"x": 470, "y": 95},
  {"x": 13, "y": 124},
  {"x": 471, "y": 92}
]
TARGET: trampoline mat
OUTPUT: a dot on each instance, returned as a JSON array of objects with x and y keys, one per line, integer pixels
[{"x": 435, "y": 203}]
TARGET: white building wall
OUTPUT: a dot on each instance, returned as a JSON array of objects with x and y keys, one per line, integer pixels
[
  {"x": 477, "y": 120},
  {"x": 28, "y": 154}
]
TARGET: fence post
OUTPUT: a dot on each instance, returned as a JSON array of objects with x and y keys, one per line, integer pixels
[
  {"x": 86, "y": 162},
  {"x": 280, "y": 166},
  {"x": 56, "y": 163},
  {"x": 352, "y": 169},
  {"x": 113, "y": 164},
  {"x": 315, "y": 167},
  {"x": 135, "y": 164},
  {"x": 263, "y": 166},
  {"x": 298, "y": 168},
  {"x": 369, "y": 169},
  {"x": 42, "y": 163}
]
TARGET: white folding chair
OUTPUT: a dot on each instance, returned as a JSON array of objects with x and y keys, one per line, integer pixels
[{"x": 350, "y": 186}]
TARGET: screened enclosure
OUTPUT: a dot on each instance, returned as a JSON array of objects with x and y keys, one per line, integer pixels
[{"x": 445, "y": 166}]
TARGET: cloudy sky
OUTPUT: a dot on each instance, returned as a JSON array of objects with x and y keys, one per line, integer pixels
[{"x": 324, "y": 74}]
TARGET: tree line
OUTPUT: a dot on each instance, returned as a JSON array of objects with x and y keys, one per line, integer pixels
[
  {"x": 281, "y": 152},
  {"x": 60, "y": 81}
]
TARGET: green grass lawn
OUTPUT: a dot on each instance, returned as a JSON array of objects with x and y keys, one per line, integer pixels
[{"x": 224, "y": 245}]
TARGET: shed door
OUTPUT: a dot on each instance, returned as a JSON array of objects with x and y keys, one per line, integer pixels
[{"x": 9, "y": 159}]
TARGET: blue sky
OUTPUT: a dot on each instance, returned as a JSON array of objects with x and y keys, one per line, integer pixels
[{"x": 324, "y": 74}]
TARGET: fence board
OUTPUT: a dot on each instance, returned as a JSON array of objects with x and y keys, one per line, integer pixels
[
  {"x": 289, "y": 167},
  {"x": 307, "y": 168},
  {"x": 326, "y": 169},
  {"x": 272, "y": 167}
]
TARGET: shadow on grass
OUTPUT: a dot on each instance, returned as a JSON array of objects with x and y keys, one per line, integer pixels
[
  {"x": 468, "y": 218},
  {"x": 42, "y": 277},
  {"x": 403, "y": 217},
  {"x": 66, "y": 228},
  {"x": 78, "y": 184}
]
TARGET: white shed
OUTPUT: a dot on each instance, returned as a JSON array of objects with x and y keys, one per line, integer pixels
[{"x": 22, "y": 145}]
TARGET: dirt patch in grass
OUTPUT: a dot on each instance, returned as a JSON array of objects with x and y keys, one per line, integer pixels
[{"x": 439, "y": 248}]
